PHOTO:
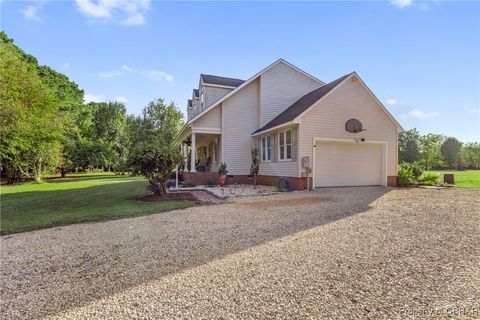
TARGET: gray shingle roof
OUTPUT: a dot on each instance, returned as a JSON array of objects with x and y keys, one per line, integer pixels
[
  {"x": 195, "y": 92},
  {"x": 221, "y": 81},
  {"x": 302, "y": 104},
  {"x": 189, "y": 104}
]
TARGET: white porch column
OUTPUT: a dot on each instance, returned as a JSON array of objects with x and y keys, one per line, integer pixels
[
  {"x": 194, "y": 152},
  {"x": 185, "y": 153}
]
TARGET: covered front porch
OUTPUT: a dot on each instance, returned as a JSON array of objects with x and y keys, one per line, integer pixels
[{"x": 201, "y": 150}]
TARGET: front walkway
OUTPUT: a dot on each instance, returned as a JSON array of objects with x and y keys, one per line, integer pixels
[{"x": 235, "y": 190}]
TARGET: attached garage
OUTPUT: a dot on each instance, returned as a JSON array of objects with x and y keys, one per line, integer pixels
[{"x": 341, "y": 164}]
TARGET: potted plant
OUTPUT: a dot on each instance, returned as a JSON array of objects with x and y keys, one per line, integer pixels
[{"x": 222, "y": 171}]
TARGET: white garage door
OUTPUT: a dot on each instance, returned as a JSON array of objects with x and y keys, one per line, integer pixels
[{"x": 347, "y": 164}]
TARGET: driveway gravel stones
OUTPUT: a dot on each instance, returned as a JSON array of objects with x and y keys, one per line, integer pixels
[{"x": 335, "y": 253}]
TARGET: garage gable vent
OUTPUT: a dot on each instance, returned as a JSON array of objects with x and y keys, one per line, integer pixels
[{"x": 353, "y": 126}]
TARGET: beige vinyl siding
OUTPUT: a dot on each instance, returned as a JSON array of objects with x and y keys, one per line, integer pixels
[
  {"x": 239, "y": 121},
  {"x": 281, "y": 86},
  {"x": 211, "y": 119},
  {"x": 287, "y": 168},
  {"x": 213, "y": 94},
  {"x": 327, "y": 118}
]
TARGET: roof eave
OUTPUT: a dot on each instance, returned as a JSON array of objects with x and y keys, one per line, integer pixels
[{"x": 286, "y": 124}]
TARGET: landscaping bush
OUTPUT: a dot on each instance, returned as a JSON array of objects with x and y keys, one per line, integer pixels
[
  {"x": 211, "y": 182},
  {"x": 222, "y": 169},
  {"x": 416, "y": 170},
  {"x": 428, "y": 178},
  {"x": 405, "y": 174}
]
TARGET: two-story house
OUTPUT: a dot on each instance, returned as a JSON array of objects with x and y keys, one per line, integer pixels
[{"x": 337, "y": 133}]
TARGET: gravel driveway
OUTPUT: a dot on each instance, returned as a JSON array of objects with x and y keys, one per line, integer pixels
[{"x": 340, "y": 253}]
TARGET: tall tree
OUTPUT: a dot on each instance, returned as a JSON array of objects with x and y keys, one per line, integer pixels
[
  {"x": 450, "y": 150},
  {"x": 408, "y": 150},
  {"x": 430, "y": 150},
  {"x": 31, "y": 125},
  {"x": 152, "y": 153},
  {"x": 67, "y": 97},
  {"x": 471, "y": 155},
  {"x": 111, "y": 132}
]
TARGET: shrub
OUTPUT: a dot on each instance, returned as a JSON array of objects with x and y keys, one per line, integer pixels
[
  {"x": 405, "y": 174},
  {"x": 211, "y": 182},
  {"x": 416, "y": 169},
  {"x": 222, "y": 170},
  {"x": 428, "y": 179}
]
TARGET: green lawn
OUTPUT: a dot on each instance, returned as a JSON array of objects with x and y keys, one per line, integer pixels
[
  {"x": 466, "y": 179},
  {"x": 77, "y": 198}
]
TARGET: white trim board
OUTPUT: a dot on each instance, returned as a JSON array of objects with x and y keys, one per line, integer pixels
[{"x": 206, "y": 130}]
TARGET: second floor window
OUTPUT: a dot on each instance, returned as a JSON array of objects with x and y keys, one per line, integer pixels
[
  {"x": 267, "y": 149},
  {"x": 285, "y": 145},
  {"x": 202, "y": 98}
]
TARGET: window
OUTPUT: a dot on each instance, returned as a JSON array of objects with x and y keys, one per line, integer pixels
[
  {"x": 213, "y": 151},
  {"x": 202, "y": 98},
  {"x": 285, "y": 145},
  {"x": 266, "y": 149}
]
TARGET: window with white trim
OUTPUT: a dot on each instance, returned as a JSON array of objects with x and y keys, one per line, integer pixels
[
  {"x": 213, "y": 150},
  {"x": 202, "y": 98},
  {"x": 285, "y": 145},
  {"x": 267, "y": 149}
]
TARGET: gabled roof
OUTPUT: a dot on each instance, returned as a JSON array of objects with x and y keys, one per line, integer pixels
[
  {"x": 302, "y": 104},
  {"x": 250, "y": 80},
  {"x": 291, "y": 114},
  {"x": 195, "y": 92},
  {"x": 221, "y": 81}
]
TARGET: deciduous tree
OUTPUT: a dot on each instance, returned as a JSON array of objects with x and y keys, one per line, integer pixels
[
  {"x": 450, "y": 150},
  {"x": 152, "y": 153}
]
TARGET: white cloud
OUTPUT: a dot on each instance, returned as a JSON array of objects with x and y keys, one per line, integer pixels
[
  {"x": 160, "y": 75},
  {"x": 110, "y": 74},
  {"x": 392, "y": 101},
  {"x": 88, "y": 97},
  {"x": 121, "y": 99},
  {"x": 66, "y": 65},
  {"x": 415, "y": 113},
  {"x": 126, "y": 12},
  {"x": 401, "y": 3},
  {"x": 30, "y": 12},
  {"x": 152, "y": 74}
]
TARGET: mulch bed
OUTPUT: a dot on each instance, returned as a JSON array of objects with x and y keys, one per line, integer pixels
[{"x": 198, "y": 197}]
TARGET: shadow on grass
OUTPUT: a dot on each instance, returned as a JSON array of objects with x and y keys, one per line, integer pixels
[
  {"x": 89, "y": 177},
  {"x": 148, "y": 249}
]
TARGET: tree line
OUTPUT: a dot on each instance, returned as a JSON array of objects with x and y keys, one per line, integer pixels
[
  {"x": 46, "y": 127},
  {"x": 436, "y": 151}
]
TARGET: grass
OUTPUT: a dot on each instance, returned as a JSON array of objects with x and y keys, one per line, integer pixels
[
  {"x": 464, "y": 179},
  {"x": 77, "y": 198}
]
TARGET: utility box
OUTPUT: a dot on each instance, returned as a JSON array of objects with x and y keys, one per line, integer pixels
[
  {"x": 306, "y": 162},
  {"x": 448, "y": 178}
]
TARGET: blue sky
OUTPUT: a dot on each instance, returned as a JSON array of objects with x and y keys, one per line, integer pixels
[{"x": 421, "y": 59}]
